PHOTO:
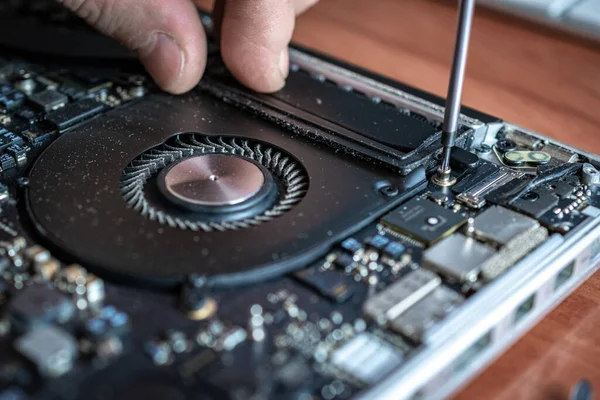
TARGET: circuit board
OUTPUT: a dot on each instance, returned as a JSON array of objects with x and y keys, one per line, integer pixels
[{"x": 229, "y": 245}]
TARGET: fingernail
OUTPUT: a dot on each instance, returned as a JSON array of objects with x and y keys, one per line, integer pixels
[
  {"x": 164, "y": 60},
  {"x": 284, "y": 64}
]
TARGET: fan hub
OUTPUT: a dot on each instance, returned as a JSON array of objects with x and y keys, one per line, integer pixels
[{"x": 211, "y": 180}]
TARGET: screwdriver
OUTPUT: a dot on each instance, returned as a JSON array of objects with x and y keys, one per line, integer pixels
[{"x": 455, "y": 87}]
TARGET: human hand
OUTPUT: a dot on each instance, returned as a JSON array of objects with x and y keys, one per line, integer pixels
[{"x": 169, "y": 39}]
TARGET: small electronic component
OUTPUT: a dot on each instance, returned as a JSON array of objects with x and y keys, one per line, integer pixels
[
  {"x": 231, "y": 338},
  {"x": 426, "y": 313},
  {"x": 72, "y": 276},
  {"x": 108, "y": 322},
  {"x": 377, "y": 242},
  {"x": 458, "y": 258},
  {"x": 501, "y": 226},
  {"x": 8, "y": 139},
  {"x": 196, "y": 303},
  {"x": 400, "y": 296},
  {"x": 37, "y": 254},
  {"x": 394, "y": 250},
  {"x": 12, "y": 100},
  {"x": 330, "y": 283},
  {"x": 19, "y": 153},
  {"x": 43, "y": 264},
  {"x": 352, "y": 246},
  {"x": 74, "y": 113},
  {"x": 48, "y": 100},
  {"x": 94, "y": 290},
  {"x": 37, "y": 136},
  {"x": 367, "y": 358},
  {"x": 50, "y": 349},
  {"x": 590, "y": 175},
  {"x": 40, "y": 303},
  {"x": 423, "y": 220}
]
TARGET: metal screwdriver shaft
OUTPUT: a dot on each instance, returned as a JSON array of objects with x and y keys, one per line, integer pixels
[{"x": 453, "y": 100}]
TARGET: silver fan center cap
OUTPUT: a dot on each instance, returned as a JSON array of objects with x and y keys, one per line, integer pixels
[{"x": 214, "y": 180}]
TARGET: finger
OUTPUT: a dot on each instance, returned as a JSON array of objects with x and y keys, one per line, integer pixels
[
  {"x": 254, "y": 39},
  {"x": 218, "y": 10},
  {"x": 302, "y": 5},
  {"x": 166, "y": 35}
]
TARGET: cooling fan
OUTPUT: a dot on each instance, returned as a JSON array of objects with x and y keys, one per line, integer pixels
[
  {"x": 219, "y": 183},
  {"x": 169, "y": 187}
]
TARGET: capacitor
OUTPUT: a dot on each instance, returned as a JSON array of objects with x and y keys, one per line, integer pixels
[{"x": 590, "y": 175}]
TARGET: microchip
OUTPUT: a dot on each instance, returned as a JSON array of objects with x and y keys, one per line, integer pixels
[
  {"x": 423, "y": 220},
  {"x": 367, "y": 358},
  {"x": 394, "y": 250},
  {"x": 74, "y": 113},
  {"x": 426, "y": 313},
  {"x": 48, "y": 100},
  {"x": 331, "y": 284},
  {"x": 50, "y": 349},
  {"x": 377, "y": 242},
  {"x": 458, "y": 258},
  {"x": 351, "y": 245},
  {"x": 39, "y": 303},
  {"x": 501, "y": 226}
]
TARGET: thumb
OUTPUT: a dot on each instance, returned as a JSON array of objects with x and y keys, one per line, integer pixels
[{"x": 166, "y": 35}]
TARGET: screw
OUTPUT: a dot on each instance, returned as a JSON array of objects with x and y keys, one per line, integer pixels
[
  {"x": 484, "y": 149},
  {"x": 23, "y": 181},
  {"x": 389, "y": 191}
]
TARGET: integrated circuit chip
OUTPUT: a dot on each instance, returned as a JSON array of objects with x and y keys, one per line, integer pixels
[
  {"x": 329, "y": 283},
  {"x": 423, "y": 220},
  {"x": 367, "y": 358},
  {"x": 458, "y": 258},
  {"x": 74, "y": 113},
  {"x": 52, "y": 350},
  {"x": 48, "y": 100},
  {"x": 500, "y": 225},
  {"x": 401, "y": 295},
  {"x": 427, "y": 312}
]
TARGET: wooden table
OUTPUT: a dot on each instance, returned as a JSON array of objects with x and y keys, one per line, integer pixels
[
  {"x": 532, "y": 76},
  {"x": 535, "y": 77}
]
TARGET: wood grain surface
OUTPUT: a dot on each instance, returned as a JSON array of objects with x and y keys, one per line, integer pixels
[{"x": 529, "y": 75}]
